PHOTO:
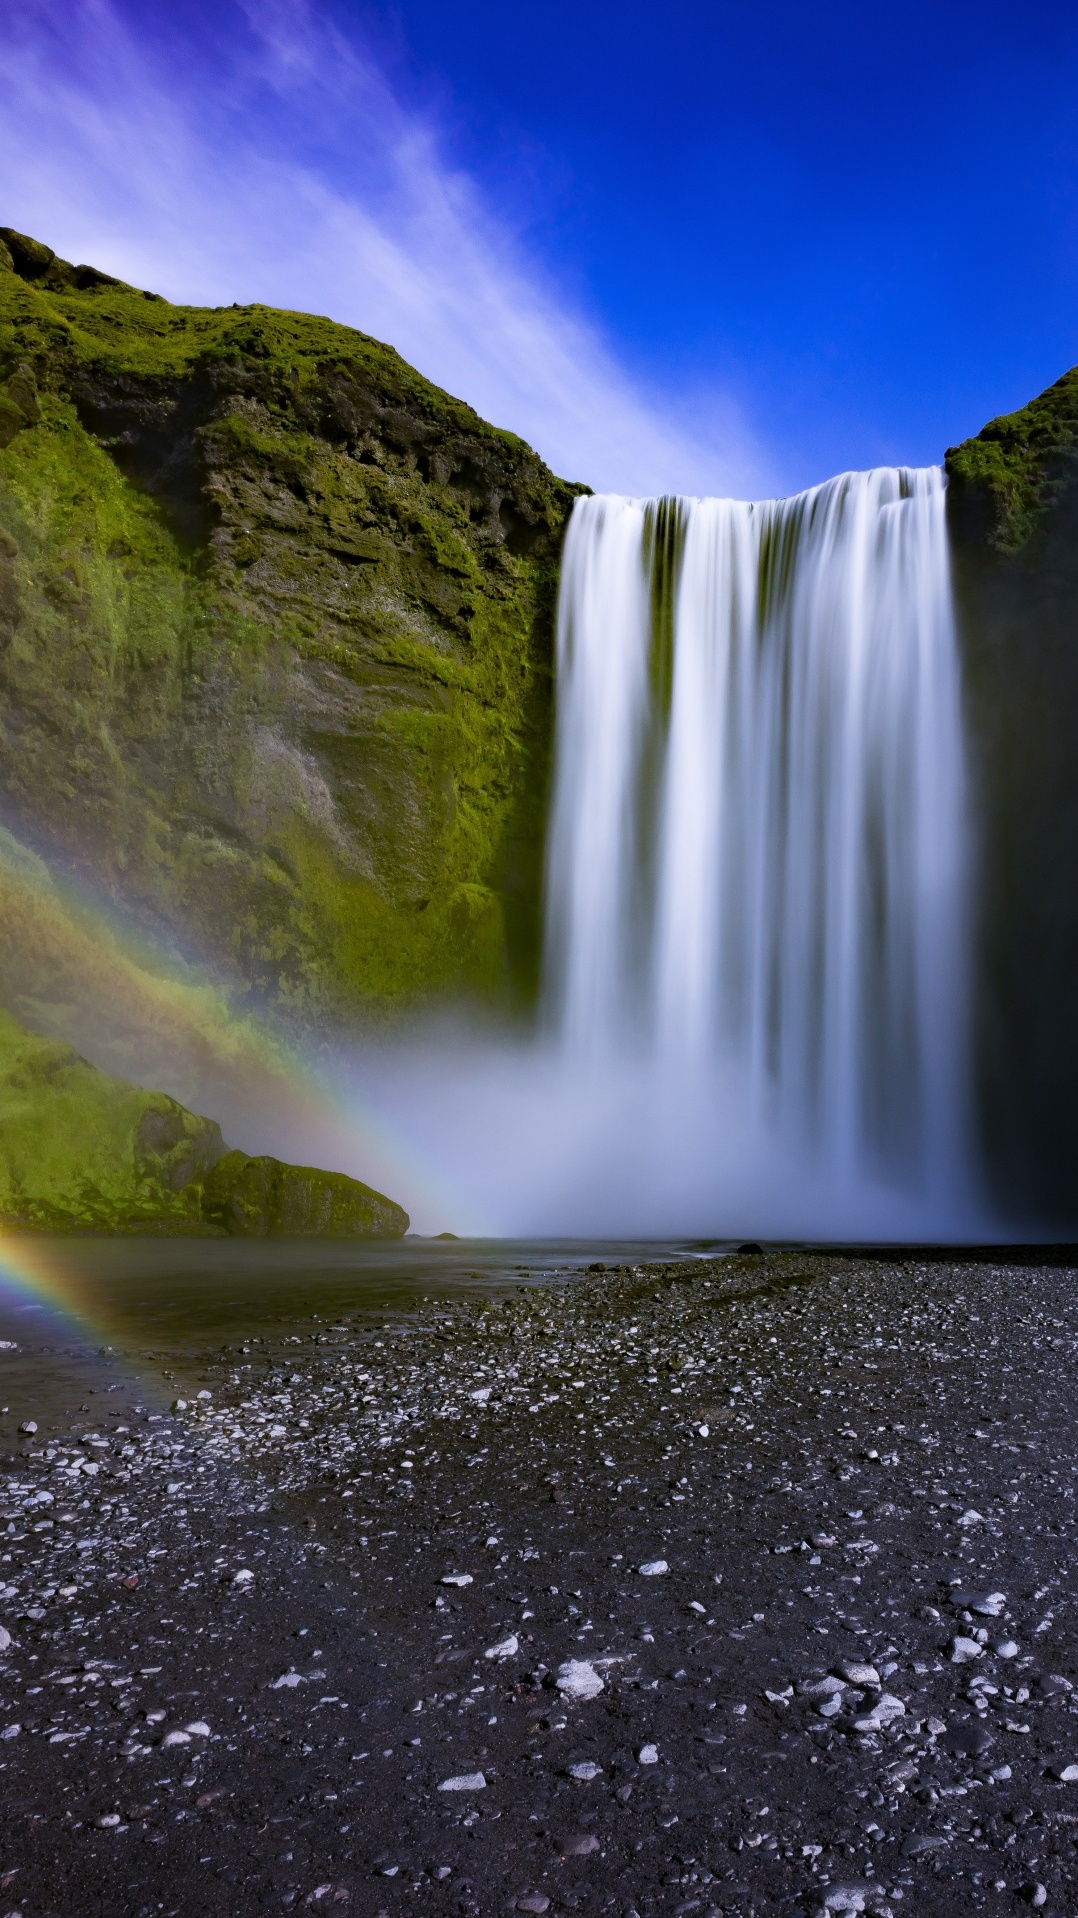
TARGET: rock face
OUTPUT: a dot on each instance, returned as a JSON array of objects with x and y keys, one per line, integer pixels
[
  {"x": 81, "y": 1151},
  {"x": 1013, "y": 512},
  {"x": 275, "y": 641},
  {"x": 261, "y": 1198}
]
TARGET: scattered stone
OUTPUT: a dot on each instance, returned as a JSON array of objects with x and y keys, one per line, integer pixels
[
  {"x": 964, "y": 1650},
  {"x": 107, "y": 1820},
  {"x": 5, "y": 1638},
  {"x": 857, "y": 1674},
  {"x": 533, "y": 1902},
  {"x": 985, "y": 1604},
  {"x": 585, "y": 1771},
  {"x": 1066, "y": 1774},
  {"x": 243, "y": 1577},
  {"x": 1006, "y": 1648},
  {"x": 505, "y": 1648},
  {"x": 28, "y": 1427},
  {"x": 654, "y": 1568},
  {"x": 459, "y": 1579},
  {"x": 176, "y": 1738},
  {"x": 648, "y": 1755},
  {"x": 580, "y": 1847},
  {"x": 886, "y": 1709},
  {"x": 198, "y": 1728},
  {"x": 467, "y": 1781},
  {"x": 288, "y": 1681},
  {"x": 578, "y": 1679},
  {"x": 968, "y": 1741},
  {"x": 1035, "y": 1894}
]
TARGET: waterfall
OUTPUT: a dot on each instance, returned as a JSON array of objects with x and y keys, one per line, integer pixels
[{"x": 756, "y": 877}]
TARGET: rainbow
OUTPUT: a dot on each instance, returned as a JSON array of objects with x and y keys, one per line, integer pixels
[{"x": 31, "y": 1271}]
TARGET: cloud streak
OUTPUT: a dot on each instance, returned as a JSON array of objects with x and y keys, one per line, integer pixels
[{"x": 262, "y": 155}]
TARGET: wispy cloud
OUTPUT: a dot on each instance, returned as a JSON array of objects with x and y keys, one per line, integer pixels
[{"x": 276, "y": 164}]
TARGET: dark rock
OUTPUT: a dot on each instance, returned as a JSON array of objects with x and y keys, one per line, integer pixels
[
  {"x": 1012, "y": 510},
  {"x": 967, "y": 1741}
]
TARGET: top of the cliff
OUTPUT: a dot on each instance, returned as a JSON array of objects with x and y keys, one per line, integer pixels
[
  {"x": 67, "y": 322},
  {"x": 1020, "y": 463}
]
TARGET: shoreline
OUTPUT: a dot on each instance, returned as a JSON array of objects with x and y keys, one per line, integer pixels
[{"x": 803, "y": 1447}]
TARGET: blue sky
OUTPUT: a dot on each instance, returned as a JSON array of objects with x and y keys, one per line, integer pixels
[{"x": 711, "y": 247}]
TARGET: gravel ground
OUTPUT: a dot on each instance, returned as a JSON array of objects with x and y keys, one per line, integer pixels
[{"x": 734, "y": 1586}]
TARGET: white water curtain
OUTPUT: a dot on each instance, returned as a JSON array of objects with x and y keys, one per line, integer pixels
[{"x": 757, "y": 854}]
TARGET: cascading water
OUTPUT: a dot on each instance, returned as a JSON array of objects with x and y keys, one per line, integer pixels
[
  {"x": 755, "y": 975},
  {"x": 756, "y": 881}
]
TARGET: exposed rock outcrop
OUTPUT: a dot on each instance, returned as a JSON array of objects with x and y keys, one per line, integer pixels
[
  {"x": 262, "y": 1198},
  {"x": 275, "y": 636},
  {"x": 1013, "y": 514}
]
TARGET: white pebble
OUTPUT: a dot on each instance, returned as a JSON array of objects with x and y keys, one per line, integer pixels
[
  {"x": 5, "y": 1638},
  {"x": 468, "y": 1781},
  {"x": 585, "y": 1771},
  {"x": 578, "y": 1679},
  {"x": 654, "y": 1568},
  {"x": 176, "y": 1738},
  {"x": 198, "y": 1728},
  {"x": 243, "y": 1576},
  {"x": 459, "y": 1579},
  {"x": 648, "y": 1755},
  {"x": 1068, "y": 1775},
  {"x": 288, "y": 1681},
  {"x": 505, "y": 1648},
  {"x": 963, "y": 1650}
]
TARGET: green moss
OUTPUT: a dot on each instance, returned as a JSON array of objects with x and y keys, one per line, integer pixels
[
  {"x": 1021, "y": 463},
  {"x": 275, "y": 640},
  {"x": 262, "y": 1198},
  {"x": 83, "y": 1152}
]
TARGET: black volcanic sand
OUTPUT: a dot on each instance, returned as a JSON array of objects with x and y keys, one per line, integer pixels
[{"x": 833, "y": 1455}]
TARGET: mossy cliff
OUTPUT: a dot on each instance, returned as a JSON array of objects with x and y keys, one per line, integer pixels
[
  {"x": 1013, "y": 514},
  {"x": 275, "y": 642},
  {"x": 81, "y": 1151}
]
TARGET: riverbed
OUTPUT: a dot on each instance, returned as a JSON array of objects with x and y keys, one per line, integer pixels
[{"x": 647, "y": 1582}]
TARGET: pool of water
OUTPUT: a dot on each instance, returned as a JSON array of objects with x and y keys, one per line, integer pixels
[{"x": 127, "y": 1320}]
